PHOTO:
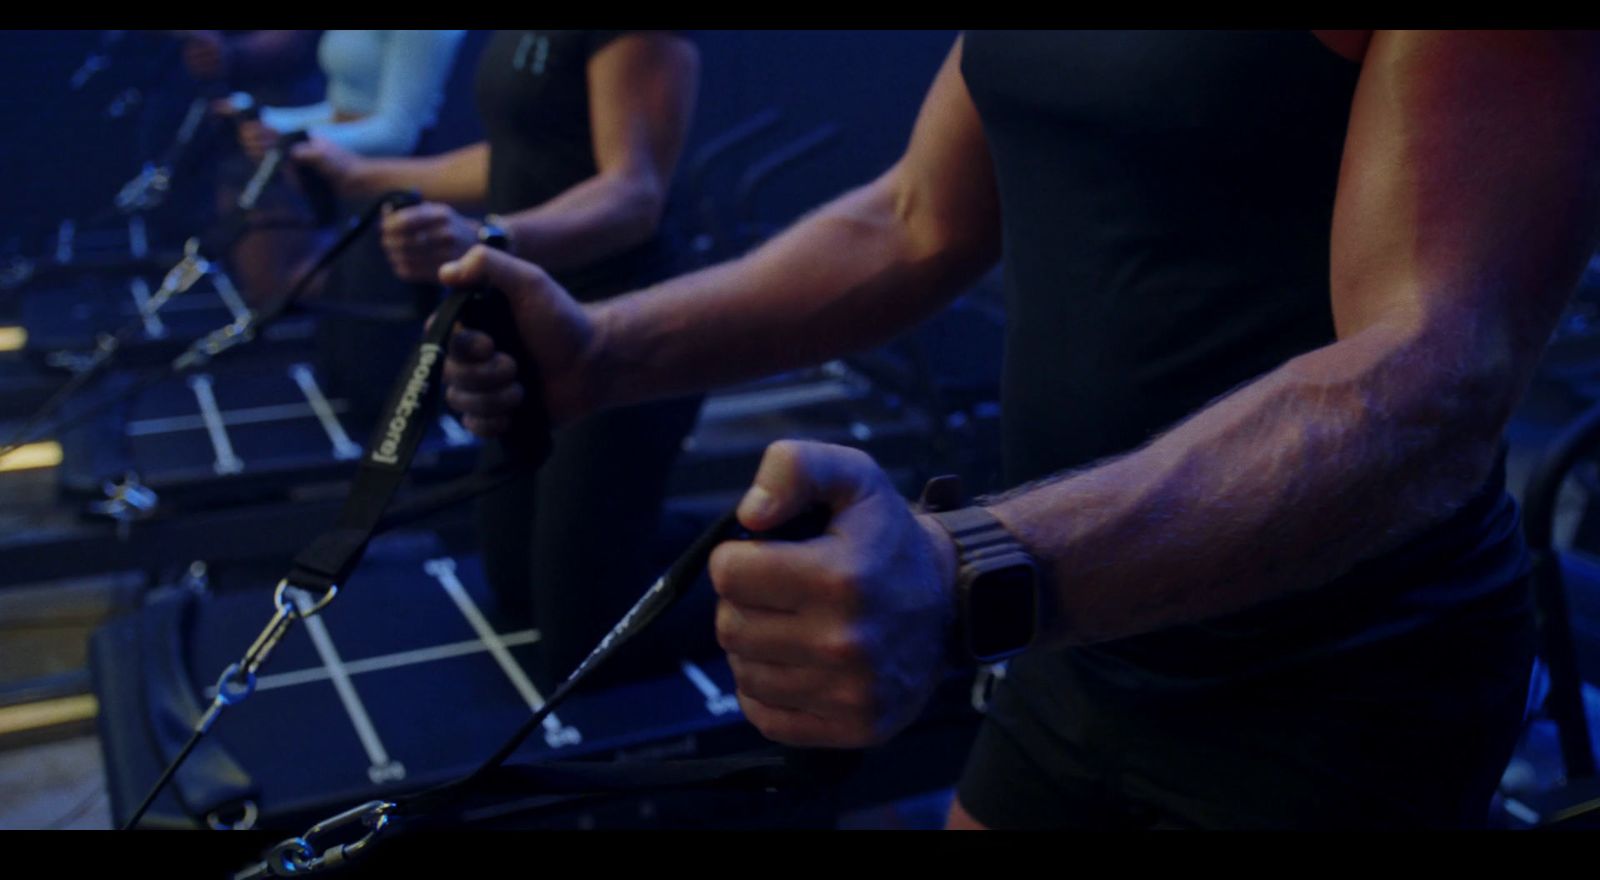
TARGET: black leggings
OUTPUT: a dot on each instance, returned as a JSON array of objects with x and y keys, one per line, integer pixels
[{"x": 573, "y": 546}]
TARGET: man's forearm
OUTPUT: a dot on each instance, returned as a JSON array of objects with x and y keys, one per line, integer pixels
[
  {"x": 1281, "y": 486},
  {"x": 845, "y": 278}
]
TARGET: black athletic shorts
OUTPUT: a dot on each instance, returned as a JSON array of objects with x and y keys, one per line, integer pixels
[{"x": 1409, "y": 732}]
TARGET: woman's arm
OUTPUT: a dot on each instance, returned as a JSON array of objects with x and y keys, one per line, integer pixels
[
  {"x": 286, "y": 119},
  {"x": 641, "y": 97},
  {"x": 416, "y": 65},
  {"x": 459, "y": 177}
]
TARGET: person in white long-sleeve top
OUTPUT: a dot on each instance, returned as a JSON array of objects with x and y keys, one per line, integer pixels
[{"x": 384, "y": 90}]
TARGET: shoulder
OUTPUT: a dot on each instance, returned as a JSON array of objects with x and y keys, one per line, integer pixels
[{"x": 1350, "y": 45}]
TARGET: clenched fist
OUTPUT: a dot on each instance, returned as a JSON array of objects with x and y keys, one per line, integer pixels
[
  {"x": 840, "y": 640},
  {"x": 481, "y": 383},
  {"x": 330, "y": 161},
  {"x": 257, "y": 138},
  {"x": 420, "y": 239}
]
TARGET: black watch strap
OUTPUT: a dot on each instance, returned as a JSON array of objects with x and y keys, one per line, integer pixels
[
  {"x": 976, "y": 533},
  {"x": 996, "y": 578},
  {"x": 492, "y": 232}
]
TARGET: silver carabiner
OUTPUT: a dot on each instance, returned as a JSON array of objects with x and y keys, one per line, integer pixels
[
  {"x": 188, "y": 271},
  {"x": 280, "y": 597},
  {"x": 298, "y": 856}
]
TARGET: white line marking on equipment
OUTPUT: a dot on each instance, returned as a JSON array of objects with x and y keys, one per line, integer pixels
[
  {"x": 444, "y": 571},
  {"x": 381, "y": 768},
  {"x": 140, "y": 290},
  {"x": 382, "y": 662},
  {"x": 229, "y": 294},
  {"x": 138, "y": 241},
  {"x": 717, "y": 702},
  {"x": 1521, "y": 811},
  {"x": 344, "y": 449},
  {"x": 64, "y": 235},
  {"x": 226, "y": 462},
  {"x": 278, "y": 412},
  {"x": 454, "y": 434}
]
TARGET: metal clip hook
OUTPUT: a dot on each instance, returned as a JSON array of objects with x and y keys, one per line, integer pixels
[
  {"x": 297, "y": 856},
  {"x": 188, "y": 271},
  {"x": 280, "y": 597}
]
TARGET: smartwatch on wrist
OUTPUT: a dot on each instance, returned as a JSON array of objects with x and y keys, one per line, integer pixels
[
  {"x": 997, "y": 580},
  {"x": 492, "y": 232}
]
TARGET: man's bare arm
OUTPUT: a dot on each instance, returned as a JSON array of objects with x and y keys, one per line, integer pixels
[
  {"x": 846, "y": 277},
  {"x": 1467, "y": 204}
]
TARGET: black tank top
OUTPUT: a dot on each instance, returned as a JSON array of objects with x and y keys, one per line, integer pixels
[{"x": 1167, "y": 200}]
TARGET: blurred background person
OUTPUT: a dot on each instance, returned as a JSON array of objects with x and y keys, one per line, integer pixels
[{"x": 583, "y": 131}]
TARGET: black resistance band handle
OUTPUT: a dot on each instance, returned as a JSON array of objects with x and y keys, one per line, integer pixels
[
  {"x": 424, "y": 296},
  {"x": 527, "y": 439},
  {"x": 318, "y": 191},
  {"x": 671, "y": 587}
]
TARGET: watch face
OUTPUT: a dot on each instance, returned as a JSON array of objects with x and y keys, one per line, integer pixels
[
  {"x": 494, "y": 236},
  {"x": 1002, "y": 611}
]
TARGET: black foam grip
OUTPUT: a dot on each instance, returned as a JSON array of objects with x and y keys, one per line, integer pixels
[
  {"x": 402, "y": 198},
  {"x": 318, "y": 191},
  {"x": 423, "y": 296},
  {"x": 527, "y": 439}
]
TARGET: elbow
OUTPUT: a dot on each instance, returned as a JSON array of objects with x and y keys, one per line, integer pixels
[
  {"x": 641, "y": 207},
  {"x": 1428, "y": 405},
  {"x": 1462, "y": 408},
  {"x": 1482, "y": 382},
  {"x": 1461, "y": 466},
  {"x": 931, "y": 233}
]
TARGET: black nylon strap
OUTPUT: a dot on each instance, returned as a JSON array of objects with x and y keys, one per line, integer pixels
[{"x": 330, "y": 559}]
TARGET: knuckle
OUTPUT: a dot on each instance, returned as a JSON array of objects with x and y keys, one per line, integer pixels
[
  {"x": 722, "y": 567},
  {"x": 855, "y": 697},
  {"x": 838, "y": 585},
  {"x": 837, "y": 647},
  {"x": 727, "y": 628}
]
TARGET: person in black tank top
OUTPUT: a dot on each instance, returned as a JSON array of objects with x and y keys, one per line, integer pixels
[
  {"x": 1271, "y": 299},
  {"x": 1166, "y": 242},
  {"x": 582, "y": 134}
]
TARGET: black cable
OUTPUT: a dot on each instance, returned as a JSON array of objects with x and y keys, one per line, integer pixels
[
  {"x": 662, "y": 595},
  {"x": 166, "y": 776},
  {"x": 145, "y": 382},
  {"x": 194, "y": 356},
  {"x": 102, "y": 356}
]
